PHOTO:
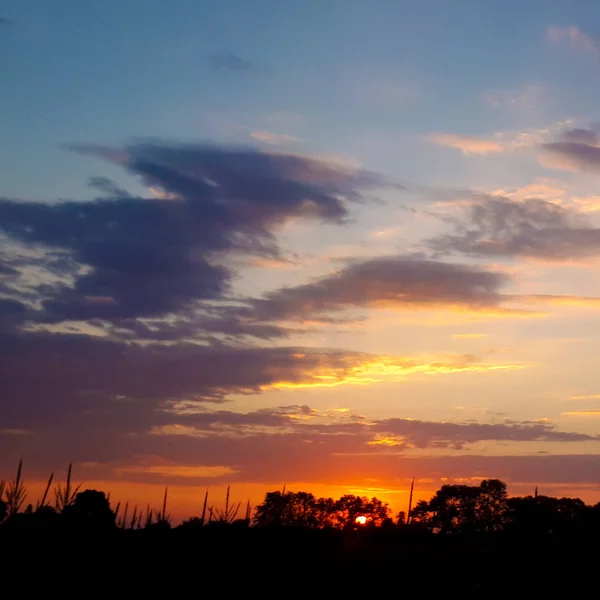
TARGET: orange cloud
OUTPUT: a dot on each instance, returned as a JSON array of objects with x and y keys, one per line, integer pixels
[
  {"x": 468, "y": 144},
  {"x": 586, "y": 397},
  {"x": 469, "y": 335},
  {"x": 559, "y": 300},
  {"x": 594, "y": 412},
  {"x": 274, "y": 139},
  {"x": 181, "y": 470}
]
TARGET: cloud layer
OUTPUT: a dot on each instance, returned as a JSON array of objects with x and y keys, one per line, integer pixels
[
  {"x": 124, "y": 257},
  {"x": 575, "y": 150},
  {"x": 497, "y": 226}
]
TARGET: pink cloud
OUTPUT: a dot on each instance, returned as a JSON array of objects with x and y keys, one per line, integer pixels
[
  {"x": 575, "y": 37},
  {"x": 468, "y": 144}
]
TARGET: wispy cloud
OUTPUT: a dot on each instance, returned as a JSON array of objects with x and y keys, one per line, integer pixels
[
  {"x": 467, "y": 336},
  {"x": 573, "y": 150},
  {"x": 469, "y": 144},
  {"x": 227, "y": 61},
  {"x": 500, "y": 226},
  {"x": 274, "y": 139},
  {"x": 526, "y": 97},
  {"x": 595, "y": 412},
  {"x": 576, "y": 38}
]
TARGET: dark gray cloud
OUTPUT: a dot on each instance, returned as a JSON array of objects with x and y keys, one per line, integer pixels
[
  {"x": 60, "y": 377},
  {"x": 144, "y": 257},
  {"x": 7, "y": 270},
  {"x": 227, "y": 61},
  {"x": 497, "y": 226},
  {"x": 580, "y": 136},
  {"x": 579, "y": 148},
  {"x": 108, "y": 187},
  {"x": 424, "y": 434},
  {"x": 391, "y": 282},
  {"x": 12, "y": 314}
]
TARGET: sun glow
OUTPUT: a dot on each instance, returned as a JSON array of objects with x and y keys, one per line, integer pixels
[{"x": 361, "y": 520}]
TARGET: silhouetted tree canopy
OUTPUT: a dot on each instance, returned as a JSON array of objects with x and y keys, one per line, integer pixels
[
  {"x": 91, "y": 509},
  {"x": 302, "y": 509}
]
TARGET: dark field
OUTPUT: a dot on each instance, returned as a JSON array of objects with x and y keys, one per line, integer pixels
[{"x": 221, "y": 561}]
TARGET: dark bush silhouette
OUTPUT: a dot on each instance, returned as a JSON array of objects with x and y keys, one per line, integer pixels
[{"x": 91, "y": 510}]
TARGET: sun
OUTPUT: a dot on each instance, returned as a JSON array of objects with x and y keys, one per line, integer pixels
[{"x": 361, "y": 520}]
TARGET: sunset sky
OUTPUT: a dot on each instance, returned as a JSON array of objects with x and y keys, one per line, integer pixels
[{"x": 333, "y": 244}]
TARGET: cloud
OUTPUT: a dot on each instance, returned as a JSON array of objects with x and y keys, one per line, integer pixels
[
  {"x": 469, "y": 335},
  {"x": 595, "y": 412},
  {"x": 401, "y": 283},
  {"x": 526, "y": 97},
  {"x": 12, "y": 314},
  {"x": 104, "y": 405},
  {"x": 274, "y": 139},
  {"x": 93, "y": 399},
  {"x": 145, "y": 257},
  {"x": 498, "y": 226},
  {"x": 108, "y": 187},
  {"x": 469, "y": 144},
  {"x": 574, "y": 150},
  {"x": 574, "y": 37},
  {"x": 194, "y": 471},
  {"x": 57, "y": 378},
  {"x": 559, "y": 300},
  {"x": 425, "y": 434},
  {"x": 227, "y": 61}
]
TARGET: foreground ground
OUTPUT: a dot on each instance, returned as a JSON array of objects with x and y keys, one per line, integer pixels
[{"x": 227, "y": 562}]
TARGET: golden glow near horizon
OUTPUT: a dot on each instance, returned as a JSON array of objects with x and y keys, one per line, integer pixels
[{"x": 384, "y": 368}]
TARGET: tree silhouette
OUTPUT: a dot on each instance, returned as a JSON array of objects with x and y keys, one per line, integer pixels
[
  {"x": 301, "y": 509},
  {"x": 90, "y": 509},
  {"x": 464, "y": 508}
]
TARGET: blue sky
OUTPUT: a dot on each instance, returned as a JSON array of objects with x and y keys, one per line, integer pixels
[
  {"x": 383, "y": 212},
  {"x": 362, "y": 78}
]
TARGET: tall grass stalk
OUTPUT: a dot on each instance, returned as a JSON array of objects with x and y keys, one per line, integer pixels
[
  {"x": 164, "y": 507},
  {"x": 410, "y": 501},
  {"x": 204, "y": 507},
  {"x": 230, "y": 513},
  {"x": 16, "y": 492},
  {"x": 42, "y": 503},
  {"x": 64, "y": 496}
]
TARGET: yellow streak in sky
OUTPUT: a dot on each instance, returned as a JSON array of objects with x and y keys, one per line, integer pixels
[
  {"x": 588, "y": 397},
  {"x": 386, "y": 440},
  {"x": 556, "y": 300},
  {"x": 594, "y": 412},
  {"x": 379, "y": 370}
]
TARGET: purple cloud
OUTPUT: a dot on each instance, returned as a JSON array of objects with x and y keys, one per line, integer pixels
[{"x": 497, "y": 226}]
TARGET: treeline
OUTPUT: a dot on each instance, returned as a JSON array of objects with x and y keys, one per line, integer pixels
[{"x": 454, "y": 509}]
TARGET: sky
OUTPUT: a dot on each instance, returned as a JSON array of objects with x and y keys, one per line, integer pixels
[{"x": 331, "y": 244}]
